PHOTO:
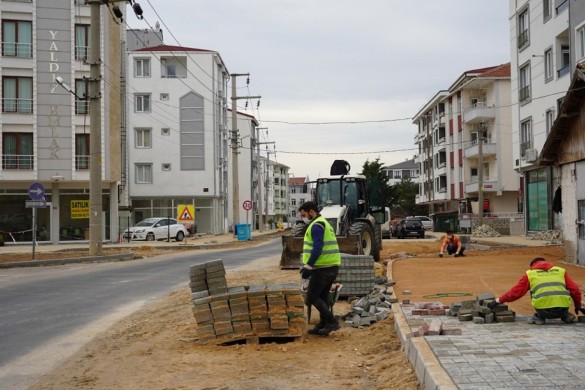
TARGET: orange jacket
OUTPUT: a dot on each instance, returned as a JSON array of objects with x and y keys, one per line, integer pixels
[{"x": 447, "y": 241}]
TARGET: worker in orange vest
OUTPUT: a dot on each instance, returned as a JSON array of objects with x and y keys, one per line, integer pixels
[{"x": 452, "y": 244}]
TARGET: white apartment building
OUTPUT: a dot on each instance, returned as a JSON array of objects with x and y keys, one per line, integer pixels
[
  {"x": 542, "y": 46},
  {"x": 408, "y": 169},
  {"x": 275, "y": 190},
  {"x": 178, "y": 134},
  {"x": 45, "y": 130},
  {"x": 299, "y": 190},
  {"x": 450, "y": 125}
]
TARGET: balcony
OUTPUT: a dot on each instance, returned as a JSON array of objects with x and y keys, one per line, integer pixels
[
  {"x": 489, "y": 185},
  {"x": 480, "y": 112},
  {"x": 19, "y": 106},
  {"x": 17, "y": 161},
  {"x": 81, "y": 162},
  {"x": 17, "y": 49},
  {"x": 487, "y": 149}
]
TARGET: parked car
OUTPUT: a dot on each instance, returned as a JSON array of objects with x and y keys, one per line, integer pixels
[
  {"x": 387, "y": 226},
  {"x": 410, "y": 227},
  {"x": 426, "y": 221},
  {"x": 151, "y": 229}
]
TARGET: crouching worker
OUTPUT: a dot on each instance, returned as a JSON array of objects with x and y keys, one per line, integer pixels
[
  {"x": 321, "y": 260},
  {"x": 452, "y": 244},
  {"x": 551, "y": 290}
]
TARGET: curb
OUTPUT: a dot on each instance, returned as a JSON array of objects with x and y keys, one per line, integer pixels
[
  {"x": 429, "y": 372},
  {"x": 89, "y": 259}
]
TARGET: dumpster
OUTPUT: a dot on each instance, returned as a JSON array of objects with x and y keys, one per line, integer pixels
[{"x": 244, "y": 232}]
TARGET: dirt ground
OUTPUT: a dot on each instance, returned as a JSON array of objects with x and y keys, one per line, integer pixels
[{"x": 155, "y": 348}]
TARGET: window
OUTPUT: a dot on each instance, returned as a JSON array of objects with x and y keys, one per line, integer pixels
[
  {"x": 81, "y": 151},
  {"x": 293, "y": 202},
  {"x": 81, "y": 106},
  {"x": 17, "y": 38},
  {"x": 17, "y": 151},
  {"x": 192, "y": 132},
  {"x": 81, "y": 42},
  {"x": 143, "y": 173},
  {"x": 548, "y": 65},
  {"x": 143, "y": 138},
  {"x": 523, "y": 29},
  {"x": 166, "y": 166},
  {"x": 550, "y": 119},
  {"x": 524, "y": 79},
  {"x": 581, "y": 42},
  {"x": 563, "y": 5},
  {"x": 525, "y": 136},
  {"x": 165, "y": 131},
  {"x": 546, "y": 9},
  {"x": 17, "y": 94},
  {"x": 142, "y": 103},
  {"x": 142, "y": 67},
  {"x": 565, "y": 61}
]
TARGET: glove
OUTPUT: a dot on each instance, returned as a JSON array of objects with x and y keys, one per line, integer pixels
[
  {"x": 306, "y": 271},
  {"x": 440, "y": 255},
  {"x": 492, "y": 305},
  {"x": 456, "y": 255}
]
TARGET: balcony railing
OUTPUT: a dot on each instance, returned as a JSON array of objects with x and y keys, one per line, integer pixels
[
  {"x": 563, "y": 71},
  {"x": 523, "y": 38},
  {"x": 17, "y": 161},
  {"x": 480, "y": 112},
  {"x": 81, "y": 53},
  {"x": 82, "y": 107},
  {"x": 16, "y": 49},
  {"x": 524, "y": 146},
  {"x": 81, "y": 162},
  {"x": 19, "y": 106},
  {"x": 524, "y": 93}
]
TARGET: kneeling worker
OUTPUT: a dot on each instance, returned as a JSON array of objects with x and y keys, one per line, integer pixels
[
  {"x": 551, "y": 290},
  {"x": 321, "y": 259},
  {"x": 452, "y": 244}
]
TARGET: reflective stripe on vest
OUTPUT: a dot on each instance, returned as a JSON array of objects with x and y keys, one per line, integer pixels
[
  {"x": 548, "y": 289},
  {"x": 330, "y": 252}
]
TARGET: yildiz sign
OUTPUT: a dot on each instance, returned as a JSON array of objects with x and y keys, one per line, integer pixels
[{"x": 53, "y": 48}]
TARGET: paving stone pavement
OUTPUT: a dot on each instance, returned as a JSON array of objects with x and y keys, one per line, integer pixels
[{"x": 515, "y": 355}]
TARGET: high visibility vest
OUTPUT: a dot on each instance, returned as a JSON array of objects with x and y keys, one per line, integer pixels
[
  {"x": 330, "y": 254},
  {"x": 548, "y": 289}
]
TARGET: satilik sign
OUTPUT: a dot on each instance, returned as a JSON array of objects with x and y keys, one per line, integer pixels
[{"x": 80, "y": 209}]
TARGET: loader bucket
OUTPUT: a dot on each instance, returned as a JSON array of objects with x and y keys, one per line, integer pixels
[{"x": 292, "y": 248}]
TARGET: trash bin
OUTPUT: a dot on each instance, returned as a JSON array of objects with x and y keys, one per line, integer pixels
[{"x": 244, "y": 232}]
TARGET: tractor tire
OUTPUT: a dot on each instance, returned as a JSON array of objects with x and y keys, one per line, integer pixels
[
  {"x": 367, "y": 238},
  {"x": 299, "y": 229},
  {"x": 378, "y": 242}
]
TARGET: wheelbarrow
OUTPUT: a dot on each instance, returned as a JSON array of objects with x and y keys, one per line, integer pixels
[{"x": 333, "y": 296}]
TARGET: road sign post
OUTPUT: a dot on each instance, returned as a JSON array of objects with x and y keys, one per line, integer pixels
[{"x": 36, "y": 193}]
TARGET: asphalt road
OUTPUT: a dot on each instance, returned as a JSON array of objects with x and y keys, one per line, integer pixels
[{"x": 48, "y": 313}]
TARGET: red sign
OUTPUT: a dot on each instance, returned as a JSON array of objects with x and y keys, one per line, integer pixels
[{"x": 247, "y": 205}]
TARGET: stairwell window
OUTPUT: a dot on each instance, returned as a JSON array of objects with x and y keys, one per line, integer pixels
[
  {"x": 17, "y": 38},
  {"x": 81, "y": 105},
  {"x": 548, "y": 65},
  {"x": 143, "y": 172},
  {"x": 581, "y": 43},
  {"x": 523, "y": 30},
  {"x": 142, "y": 102},
  {"x": 525, "y": 136},
  {"x": 81, "y": 151},
  {"x": 524, "y": 80}
]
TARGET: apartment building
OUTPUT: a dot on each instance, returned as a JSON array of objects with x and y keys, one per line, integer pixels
[
  {"x": 542, "y": 48},
  {"x": 178, "y": 135},
  {"x": 275, "y": 191},
  {"x": 45, "y": 129},
  {"x": 408, "y": 169},
  {"x": 475, "y": 108},
  {"x": 299, "y": 190}
]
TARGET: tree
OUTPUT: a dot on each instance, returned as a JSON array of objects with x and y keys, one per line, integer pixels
[
  {"x": 375, "y": 170},
  {"x": 405, "y": 204}
]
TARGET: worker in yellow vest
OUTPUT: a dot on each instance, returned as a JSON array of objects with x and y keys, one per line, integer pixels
[
  {"x": 321, "y": 260},
  {"x": 551, "y": 289}
]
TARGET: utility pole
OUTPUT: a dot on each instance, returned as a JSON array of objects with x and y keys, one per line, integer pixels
[
  {"x": 259, "y": 179},
  {"x": 480, "y": 173},
  {"x": 234, "y": 137}
]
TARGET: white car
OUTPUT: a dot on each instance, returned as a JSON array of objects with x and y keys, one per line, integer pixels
[{"x": 151, "y": 229}]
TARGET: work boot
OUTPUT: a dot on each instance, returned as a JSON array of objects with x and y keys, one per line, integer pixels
[
  {"x": 315, "y": 330},
  {"x": 328, "y": 328},
  {"x": 537, "y": 320},
  {"x": 567, "y": 318}
]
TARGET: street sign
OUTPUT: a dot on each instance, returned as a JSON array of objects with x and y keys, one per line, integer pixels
[
  {"x": 247, "y": 205},
  {"x": 36, "y": 191},
  {"x": 35, "y": 204},
  {"x": 186, "y": 213}
]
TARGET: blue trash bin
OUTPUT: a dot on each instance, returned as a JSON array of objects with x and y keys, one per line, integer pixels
[{"x": 244, "y": 232}]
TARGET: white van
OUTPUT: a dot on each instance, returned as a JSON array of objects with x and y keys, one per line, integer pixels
[{"x": 386, "y": 231}]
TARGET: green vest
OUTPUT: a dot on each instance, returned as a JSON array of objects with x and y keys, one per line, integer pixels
[
  {"x": 330, "y": 254},
  {"x": 548, "y": 289}
]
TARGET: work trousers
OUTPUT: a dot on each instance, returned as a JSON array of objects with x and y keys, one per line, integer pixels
[{"x": 318, "y": 292}]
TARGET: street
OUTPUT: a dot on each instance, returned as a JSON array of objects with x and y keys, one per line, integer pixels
[{"x": 47, "y": 313}]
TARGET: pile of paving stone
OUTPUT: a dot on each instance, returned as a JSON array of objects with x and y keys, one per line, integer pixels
[
  {"x": 371, "y": 308},
  {"x": 478, "y": 312},
  {"x": 554, "y": 236},
  {"x": 483, "y": 231},
  {"x": 225, "y": 314},
  {"x": 357, "y": 274}
]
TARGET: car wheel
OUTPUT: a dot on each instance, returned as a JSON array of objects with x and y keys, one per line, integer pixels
[
  {"x": 180, "y": 236},
  {"x": 150, "y": 237}
]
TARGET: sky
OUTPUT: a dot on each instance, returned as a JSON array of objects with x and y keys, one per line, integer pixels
[{"x": 339, "y": 79}]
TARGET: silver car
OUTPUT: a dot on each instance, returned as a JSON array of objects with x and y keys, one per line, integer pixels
[{"x": 151, "y": 229}]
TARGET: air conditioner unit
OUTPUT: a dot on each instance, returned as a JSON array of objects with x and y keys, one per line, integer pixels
[{"x": 531, "y": 155}]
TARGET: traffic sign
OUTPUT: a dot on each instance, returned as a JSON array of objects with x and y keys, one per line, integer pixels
[
  {"x": 247, "y": 205},
  {"x": 36, "y": 191},
  {"x": 186, "y": 213},
  {"x": 35, "y": 204}
]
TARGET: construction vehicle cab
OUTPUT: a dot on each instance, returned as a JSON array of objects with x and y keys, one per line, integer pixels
[{"x": 354, "y": 207}]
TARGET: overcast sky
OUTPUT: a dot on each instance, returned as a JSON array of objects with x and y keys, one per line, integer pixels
[{"x": 320, "y": 61}]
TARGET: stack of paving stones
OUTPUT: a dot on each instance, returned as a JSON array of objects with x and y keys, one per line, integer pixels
[
  {"x": 478, "y": 312},
  {"x": 226, "y": 314},
  {"x": 357, "y": 275},
  {"x": 373, "y": 307}
]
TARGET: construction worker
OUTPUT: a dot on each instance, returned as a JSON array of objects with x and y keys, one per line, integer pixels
[
  {"x": 321, "y": 260},
  {"x": 551, "y": 290},
  {"x": 452, "y": 244}
]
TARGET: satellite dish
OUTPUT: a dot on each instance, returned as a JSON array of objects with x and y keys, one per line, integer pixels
[{"x": 157, "y": 26}]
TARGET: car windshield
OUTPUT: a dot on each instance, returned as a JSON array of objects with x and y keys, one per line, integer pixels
[{"x": 147, "y": 222}]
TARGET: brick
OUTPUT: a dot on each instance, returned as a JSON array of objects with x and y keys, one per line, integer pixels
[
  {"x": 423, "y": 329},
  {"x": 451, "y": 332},
  {"x": 505, "y": 313},
  {"x": 506, "y": 319},
  {"x": 465, "y": 317},
  {"x": 435, "y": 327},
  {"x": 481, "y": 298},
  {"x": 406, "y": 292},
  {"x": 489, "y": 318},
  {"x": 223, "y": 328},
  {"x": 478, "y": 320},
  {"x": 437, "y": 312},
  {"x": 469, "y": 305}
]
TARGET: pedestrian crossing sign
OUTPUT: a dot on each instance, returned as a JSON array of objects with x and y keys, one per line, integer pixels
[{"x": 186, "y": 213}]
